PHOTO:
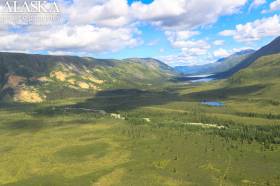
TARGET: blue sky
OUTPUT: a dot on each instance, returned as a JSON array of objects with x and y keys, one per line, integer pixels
[
  {"x": 178, "y": 32},
  {"x": 247, "y": 13}
]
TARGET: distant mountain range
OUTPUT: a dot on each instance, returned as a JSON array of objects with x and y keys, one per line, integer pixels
[
  {"x": 35, "y": 78},
  {"x": 271, "y": 48},
  {"x": 219, "y": 66}
]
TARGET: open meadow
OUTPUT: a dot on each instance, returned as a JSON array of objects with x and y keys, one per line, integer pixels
[{"x": 146, "y": 138}]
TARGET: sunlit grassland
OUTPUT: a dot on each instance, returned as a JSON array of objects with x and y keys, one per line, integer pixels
[
  {"x": 58, "y": 150},
  {"x": 48, "y": 145}
]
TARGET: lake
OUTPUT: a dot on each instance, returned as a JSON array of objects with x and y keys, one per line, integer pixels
[
  {"x": 203, "y": 80},
  {"x": 196, "y": 79}
]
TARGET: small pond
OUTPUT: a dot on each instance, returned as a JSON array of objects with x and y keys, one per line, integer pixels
[{"x": 213, "y": 103}]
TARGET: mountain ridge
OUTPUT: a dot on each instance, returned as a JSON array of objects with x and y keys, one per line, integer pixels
[
  {"x": 271, "y": 48},
  {"x": 36, "y": 77},
  {"x": 220, "y": 65}
]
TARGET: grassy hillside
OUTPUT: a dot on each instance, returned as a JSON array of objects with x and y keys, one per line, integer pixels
[
  {"x": 265, "y": 72},
  {"x": 35, "y": 78}
]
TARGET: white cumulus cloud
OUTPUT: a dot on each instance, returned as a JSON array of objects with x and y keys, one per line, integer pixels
[
  {"x": 220, "y": 53},
  {"x": 185, "y": 13},
  {"x": 219, "y": 42},
  {"x": 86, "y": 38},
  {"x": 256, "y": 30},
  {"x": 111, "y": 25},
  {"x": 275, "y": 5},
  {"x": 256, "y": 3}
]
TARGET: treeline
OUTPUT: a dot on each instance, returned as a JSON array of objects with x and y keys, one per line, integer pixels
[
  {"x": 259, "y": 115},
  {"x": 245, "y": 133},
  {"x": 264, "y": 134}
]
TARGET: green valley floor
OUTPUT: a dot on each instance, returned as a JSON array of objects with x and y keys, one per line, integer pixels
[{"x": 145, "y": 138}]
